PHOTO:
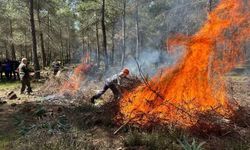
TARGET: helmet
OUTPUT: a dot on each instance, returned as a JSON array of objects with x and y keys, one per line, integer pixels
[{"x": 125, "y": 71}]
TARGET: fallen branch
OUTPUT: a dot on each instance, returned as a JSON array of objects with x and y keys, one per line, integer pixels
[{"x": 122, "y": 126}]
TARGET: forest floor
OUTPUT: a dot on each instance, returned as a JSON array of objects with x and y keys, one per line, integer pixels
[{"x": 50, "y": 121}]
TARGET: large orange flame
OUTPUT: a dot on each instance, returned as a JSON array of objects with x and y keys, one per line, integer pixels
[{"x": 196, "y": 83}]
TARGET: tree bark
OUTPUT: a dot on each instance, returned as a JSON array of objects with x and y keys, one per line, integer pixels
[
  {"x": 124, "y": 33},
  {"x": 34, "y": 44},
  {"x": 41, "y": 36},
  {"x": 83, "y": 45},
  {"x": 69, "y": 44},
  {"x": 137, "y": 31},
  {"x": 209, "y": 6},
  {"x": 97, "y": 45},
  {"x": 104, "y": 36},
  {"x": 113, "y": 45},
  {"x": 25, "y": 46},
  {"x": 13, "y": 51},
  {"x": 48, "y": 42},
  {"x": 7, "y": 56},
  {"x": 61, "y": 51}
]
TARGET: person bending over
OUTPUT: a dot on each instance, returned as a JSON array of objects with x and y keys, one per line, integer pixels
[{"x": 112, "y": 83}]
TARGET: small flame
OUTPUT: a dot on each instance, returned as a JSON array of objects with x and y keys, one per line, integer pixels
[
  {"x": 196, "y": 83},
  {"x": 79, "y": 75}
]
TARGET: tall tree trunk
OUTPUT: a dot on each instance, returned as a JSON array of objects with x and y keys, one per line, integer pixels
[
  {"x": 25, "y": 46},
  {"x": 69, "y": 44},
  {"x": 7, "y": 55},
  {"x": 1, "y": 55},
  {"x": 97, "y": 45},
  {"x": 48, "y": 42},
  {"x": 88, "y": 49},
  {"x": 13, "y": 52},
  {"x": 83, "y": 46},
  {"x": 33, "y": 33},
  {"x": 41, "y": 35},
  {"x": 209, "y": 8},
  {"x": 113, "y": 44},
  {"x": 61, "y": 52},
  {"x": 124, "y": 33},
  {"x": 137, "y": 31},
  {"x": 104, "y": 36}
]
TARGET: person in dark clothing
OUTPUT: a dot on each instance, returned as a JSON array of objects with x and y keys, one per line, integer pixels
[
  {"x": 14, "y": 69},
  {"x": 111, "y": 83},
  {"x": 7, "y": 69},
  {"x": 24, "y": 76},
  {"x": 56, "y": 67}
]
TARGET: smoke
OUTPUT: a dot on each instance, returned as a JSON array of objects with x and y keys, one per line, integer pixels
[{"x": 152, "y": 60}]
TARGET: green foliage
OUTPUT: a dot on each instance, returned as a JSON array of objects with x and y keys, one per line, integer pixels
[
  {"x": 193, "y": 146},
  {"x": 54, "y": 125},
  {"x": 40, "y": 112}
]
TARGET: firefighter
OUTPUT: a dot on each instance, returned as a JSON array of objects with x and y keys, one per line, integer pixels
[
  {"x": 112, "y": 83},
  {"x": 56, "y": 67},
  {"x": 24, "y": 76}
]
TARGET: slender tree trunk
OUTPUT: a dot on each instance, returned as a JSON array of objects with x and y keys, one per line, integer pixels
[
  {"x": 7, "y": 55},
  {"x": 104, "y": 36},
  {"x": 48, "y": 42},
  {"x": 69, "y": 44},
  {"x": 209, "y": 8},
  {"x": 13, "y": 51},
  {"x": 137, "y": 31},
  {"x": 124, "y": 33},
  {"x": 25, "y": 46},
  {"x": 33, "y": 33},
  {"x": 61, "y": 52},
  {"x": 97, "y": 45},
  {"x": 113, "y": 44},
  {"x": 21, "y": 50},
  {"x": 41, "y": 36},
  {"x": 1, "y": 54},
  {"x": 83, "y": 46},
  {"x": 88, "y": 49}
]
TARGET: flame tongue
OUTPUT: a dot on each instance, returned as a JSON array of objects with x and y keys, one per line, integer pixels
[
  {"x": 79, "y": 75},
  {"x": 195, "y": 84}
]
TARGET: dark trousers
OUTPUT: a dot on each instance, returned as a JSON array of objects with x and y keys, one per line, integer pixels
[
  {"x": 55, "y": 71},
  {"x": 7, "y": 75},
  {"x": 25, "y": 83},
  {"x": 112, "y": 87}
]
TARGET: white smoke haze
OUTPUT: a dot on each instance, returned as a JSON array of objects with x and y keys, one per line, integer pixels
[{"x": 151, "y": 61}]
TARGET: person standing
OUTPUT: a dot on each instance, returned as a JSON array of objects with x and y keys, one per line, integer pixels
[
  {"x": 7, "y": 69},
  {"x": 56, "y": 67},
  {"x": 24, "y": 76}
]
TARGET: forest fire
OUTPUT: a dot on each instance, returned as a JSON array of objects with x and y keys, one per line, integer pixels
[
  {"x": 196, "y": 83},
  {"x": 79, "y": 74}
]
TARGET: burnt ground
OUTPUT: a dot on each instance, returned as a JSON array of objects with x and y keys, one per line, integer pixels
[{"x": 51, "y": 120}]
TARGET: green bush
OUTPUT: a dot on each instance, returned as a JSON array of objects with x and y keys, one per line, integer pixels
[{"x": 193, "y": 146}]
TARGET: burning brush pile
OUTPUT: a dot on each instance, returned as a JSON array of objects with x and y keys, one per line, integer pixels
[
  {"x": 193, "y": 92},
  {"x": 66, "y": 84}
]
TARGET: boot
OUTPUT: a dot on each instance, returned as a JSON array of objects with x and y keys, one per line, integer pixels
[{"x": 92, "y": 100}]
